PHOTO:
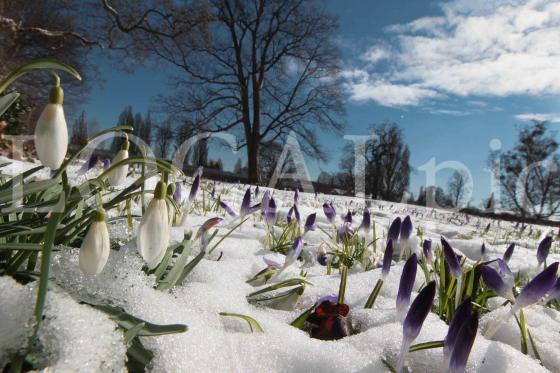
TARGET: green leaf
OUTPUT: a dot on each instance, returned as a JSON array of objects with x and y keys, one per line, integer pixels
[
  {"x": 6, "y": 101},
  {"x": 45, "y": 264},
  {"x": 29, "y": 188},
  {"x": 168, "y": 281},
  {"x": 138, "y": 357},
  {"x": 131, "y": 333},
  {"x": 426, "y": 346},
  {"x": 534, "y": 346},
  {"x": 253, "y": 324},
  {"x": 127, "y": 321},
  {"x": 301, "y": 319},
  {"x": 374, "y": 293},
  {"x": 279, "y": 285},
  {"x": 226, "y": 235},
  {"x": 37, "y": 65},
  {"x": 20, "y": 246},
  {"x": 342, "y": 287},
  {"x": 190, "y": 266}
]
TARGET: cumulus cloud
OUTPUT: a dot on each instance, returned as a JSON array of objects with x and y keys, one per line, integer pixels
[
  {"x": 542, "y": 117},
  {"x": 476, "y": 48}
]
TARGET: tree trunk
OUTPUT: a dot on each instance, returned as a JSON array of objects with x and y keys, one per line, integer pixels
[{"x": 253, "y": 160}]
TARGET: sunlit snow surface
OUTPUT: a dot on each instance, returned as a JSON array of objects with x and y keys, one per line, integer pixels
[{"x": 78, "y": 338}]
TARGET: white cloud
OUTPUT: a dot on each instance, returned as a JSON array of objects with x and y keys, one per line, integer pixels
[
  {"x": 376, "y": 54},
  {"x": 545, "y": 117},
  {"x": 477, "y": 48}
]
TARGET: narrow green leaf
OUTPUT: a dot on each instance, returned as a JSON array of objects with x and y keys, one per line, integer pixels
[
  {"x": 374, "y": 293},
  {"x": 534, "y": 346},
  {"x": 253, "y": 324},
  {"x": 301, "y": 319},
  {"x": 6, "y": 101},
  {"x": 40, "y": 64},
  {"x": 426, "y": 346},
  {"x": 131, "y": 333}
]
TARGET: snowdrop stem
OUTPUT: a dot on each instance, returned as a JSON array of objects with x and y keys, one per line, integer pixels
[{"x": 402, "y": 355}]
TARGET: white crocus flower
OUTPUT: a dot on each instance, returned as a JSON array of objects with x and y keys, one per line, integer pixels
[
  {"x": 94, "y": 251},
  {"x": 118, "y": 175},
  {"x": 154, "y": 230},
  {"x": 51, "y": 133}
]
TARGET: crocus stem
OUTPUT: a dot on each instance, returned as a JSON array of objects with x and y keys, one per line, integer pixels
[
  {"x": 458, "y": 291},
  {"x": 495, "y": 324},
  {"x": 373, "y": 296},
  {"x": 402, "y": 355}
]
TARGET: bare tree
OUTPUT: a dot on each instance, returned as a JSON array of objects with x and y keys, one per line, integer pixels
[
  {"x": 164, "y": 139},
  {"x": 263, "y": 68},
  {"x": 457, "y": 187},
  {"x": 80, "y": 130}
]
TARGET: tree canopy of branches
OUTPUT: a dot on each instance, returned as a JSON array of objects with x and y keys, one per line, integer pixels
[
  {"x": 529, "y": 174},
  {"x": 79, "y": 134},
  {"x": 262, "y": 68},
  {"x": 387, "y": 168},
  {"x": 457, "y": 187}
]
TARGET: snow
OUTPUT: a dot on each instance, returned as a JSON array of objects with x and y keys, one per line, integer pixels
[{"x": 77, "y": 337}]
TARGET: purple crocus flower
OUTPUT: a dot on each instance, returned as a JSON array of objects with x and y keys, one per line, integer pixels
[
  {"x": 310, "y": 223},
  {"x": 178, "y": 194},
  {"x": 293, "y": 252},
  {"x": 482, "y": 250},
  {"x": 271, "y": 263},
  {"x": 495, "y": 282},
  {"x": 106, "y": 163},
  {"x": 406, "y": 228},
  {"x": 296, "y": 213},
  {"x": 271, "y": 212},
  {"x": 394, "y": 230},
  {"x": 257, "y": 191},
  {"x": 227, "y": 209},
  {"x": 544, "y": 249},
  {"x": 366, "y": 220},
  {"x": 296, "y": 197},
  {"x": 554, "y": 293},
  {"x": 387, "y": 259},
  {"x": 329, "y": 211},
  {"x": 289, "y": 215},
  {"x": 348, "y": 217},
  {"x": 346, "y": 231},
  {"x": 461, "y": 315},
  {"x": 537, "y": 287},
  {"x": 194, "y": 188},
  {"x": 265, "y": 202},
  {"x": 509, "y": 252},
  {"x": 246, "y": 203},
  {"x": 408, "y": 276},
  {"x": 465, "y": 341},
  {"x": 451, "y": 259},
  {"x": 427, "y": 250},
  {"x": 417, "y": 313}
]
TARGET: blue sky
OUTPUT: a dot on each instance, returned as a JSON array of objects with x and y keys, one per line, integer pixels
[{"x": 454, "y": 75}]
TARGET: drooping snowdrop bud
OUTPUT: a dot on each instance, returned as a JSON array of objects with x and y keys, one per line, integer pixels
[
  {"x": 463, "y": 345},
  {"x": 310, "y": 222},
  {"x": 537, "y": 287},
  {"x": 543, "y": 249},
  {"x": 495, "y": 282},
  {"x": 451, "y": 259},
  {"x": 154, "y": 229},
  {"x": 419, "y": 310},
  {"x": 178, "y": 193},
  {"x": 408, "y": 276},
  {"x": 194, "y": 188},
  {"x": 366, "y": 220},
  {"x": 117, "y": 176},
  {"x": 271, "y": 212},
  {"x": 329, "y": 211},
  {"x": 509, "y": 253},
  {"x": 394, "y": 230},
  {"x": 427, "y": 250},
  {"x": 227, "y": 209},
  {"x": 387, "y": 259},
  {"x": 95, "y": 248},
  {"x": 461, "y": 315},
  {"x": 246, "y": 203},
  {"x": 51, "y": 132}
]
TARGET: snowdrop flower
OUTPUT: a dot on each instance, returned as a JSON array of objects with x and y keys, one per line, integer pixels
[
  {"x": 408, "y": 276},
  {"x": 419, "y": 310},
  {"x": 117, "y": 176},
  {"x": 51, "y": 132},
  {"x": 154, "y": 230},
  {"x": 95, "y": 248}
]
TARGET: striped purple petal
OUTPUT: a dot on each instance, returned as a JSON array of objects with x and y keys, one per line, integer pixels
[
  {"x": 463, "y": 346},
  {"x": 462, "y": 314},
  {"x": 310, "y": 222},
  {"x": 418, "y": 311},
  {"x": 537, "y": 287},
  {"x": 246, "y": 203},
  {"x": 408, "y": 276},
  {"x": 394, "y": 230},
  {"x": 271, "y": 212},
  {"x": 451, "y": 259},
  {"x": 495, "y": 282}
]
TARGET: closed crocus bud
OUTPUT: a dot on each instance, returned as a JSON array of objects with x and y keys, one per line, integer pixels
[
  {"x": 310, "y": 223},
  {"x": 408, "y": 276},
  {"x": 495, "y": 282},
  {"x": 178, "y": 192},
  {"x": 117, "y": 176},
  {"x": 153, "y": 233},
  {"x": 246, "y": 203},
  {"x": 394, "y": 230},
  {"x": 366, "y": 220},
  {"x": 462, "y": 314},
  {"x": 509, "y": 253},
  {"x": 463, "y": 346},
  {"x": 296, "y": 214},
  {"x": 293, "y": 252},
  {"x": 451, "y": 259},
  {"x": 271, "y": 212},
  {"x": 537, "y": 287},
  {"x": 387, "y": 258},
  {"x": 544, "y": 249},
  {"x": 330, "y": 212},
  {"x": 265, "y": 202},
  {"x": 94, "y": 251},
  {"x": 348, "y": 217},
  {"x": 227, "y": 209},
  {"x": 194, "y": 187},
  {"x": 51, "y": 132},
  {"x": 296, "y": 197},
  {"x": 257, "y": 191},
  {"x": 406, "y": 228}
]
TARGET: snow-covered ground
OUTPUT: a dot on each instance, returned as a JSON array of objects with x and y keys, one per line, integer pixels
[{"x": 79, "y": 338}]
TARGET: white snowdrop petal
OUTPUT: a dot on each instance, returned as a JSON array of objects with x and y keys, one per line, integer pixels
[
  {"x": 51, "y": 136},
  {"x": 118, "y": 175},
  {"x": 94, "y": 251},
  {"x": 153, "y": 233}
]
